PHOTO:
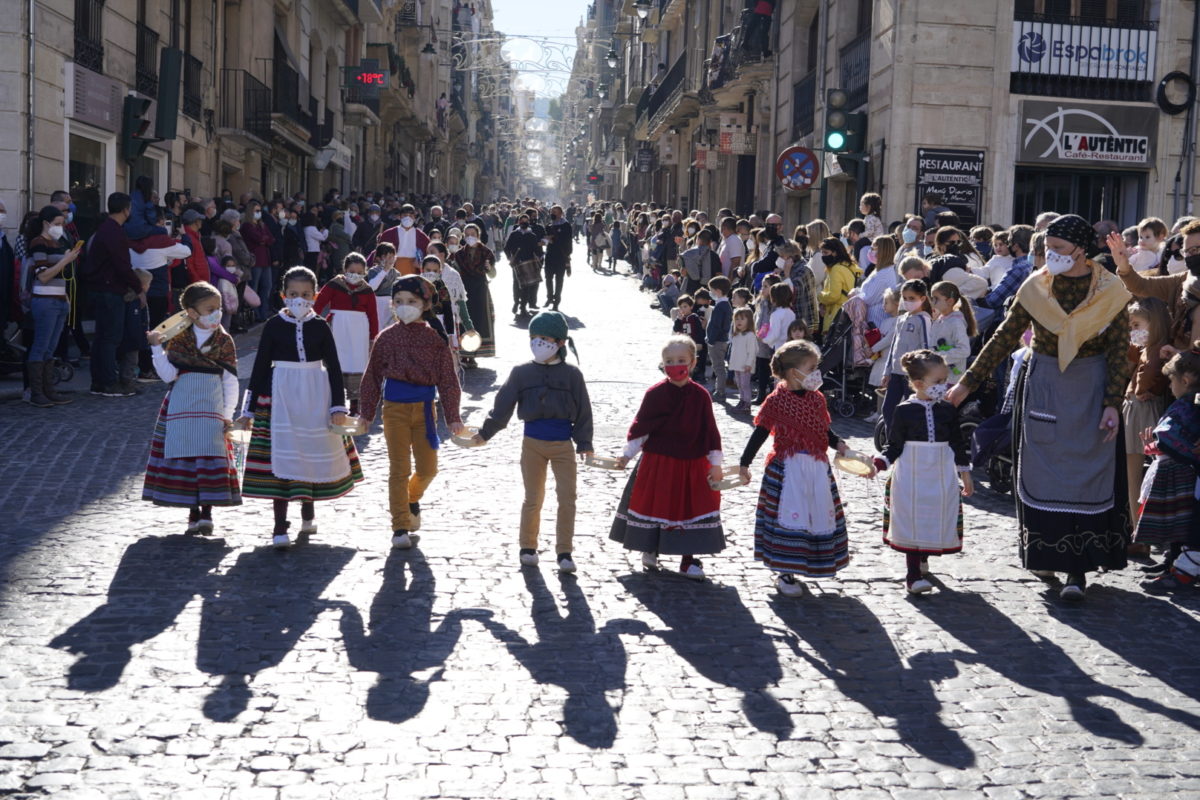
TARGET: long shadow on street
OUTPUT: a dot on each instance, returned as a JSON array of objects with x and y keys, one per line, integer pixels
[
  {"x": 571, "y": 653},
  {"x": 261, "y": 608},
  {"x": 1000, "y": 644},
  {"x": 156, "y": 578},
  {"x": 400, "y": 641},
  {"x": 854, "y": 651},
  {"x": 710, "y": 627}
]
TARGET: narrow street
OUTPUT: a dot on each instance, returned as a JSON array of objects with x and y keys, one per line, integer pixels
[{"x": 142, "y": 663}]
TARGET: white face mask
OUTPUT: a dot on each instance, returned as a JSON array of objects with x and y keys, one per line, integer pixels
[
  {"x": 472, "y": 241},
  {"x": 282, "y": 216},
  {"x": 210, "y": 320},
  {"x": 542, "y": 350},
  {"x": 912, "y": 306},
  {"x": 937, "y": 392},
  {"x": 1057, "y": 263},
  {"x": 1139, "y": 337},
  {"x": 374, "y": 218},
  {"x": 258, "y": 215},
  {"x": 3, "y": 217},
  {"x": 453, "y": 248},
  {"x": 55, "y": 231},
  {"x": 354, "y": 278},
  {"x": 406, "y": 313},
  {"x": 431, "y": 276},
  {"x": 406, "y": 222},
  {"x": 812, "y": 381},
  {"x": 299, "y": 306}
]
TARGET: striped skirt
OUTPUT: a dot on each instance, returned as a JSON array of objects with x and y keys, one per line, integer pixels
[
  {"x": 188, "y": 482},
  {"x": 797, "y": 551},
  {"x": 1167, "y": 513},
  {"x": 260, "y": 482}
]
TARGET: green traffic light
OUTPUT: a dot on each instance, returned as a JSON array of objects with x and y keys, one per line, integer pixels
[{"x": 836, "y": 140}]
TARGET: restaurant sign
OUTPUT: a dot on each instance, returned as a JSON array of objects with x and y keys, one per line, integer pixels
[{"x": 1082, "y": 134}]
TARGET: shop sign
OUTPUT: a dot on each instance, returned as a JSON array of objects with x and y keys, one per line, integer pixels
[
  {"x": 956, "y": 175},
  {"x": 95, "y": 99},
  {"x": 645, "y": 160},
  {"x": 1084, "y": 51},
  {"x": 706, "y": 157},
  {"x": 1082, "y": 134}
]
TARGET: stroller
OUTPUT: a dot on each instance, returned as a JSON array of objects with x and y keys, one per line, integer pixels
[
  {"x": 992, "y": 444},
  {"x": 846, "y": 363}
]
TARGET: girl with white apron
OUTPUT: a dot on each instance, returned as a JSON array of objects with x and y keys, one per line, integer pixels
[
  {"x": 296, "y": 393},
  {"x": 349, "y": 304},
  {"x": 922, "y": 515}
]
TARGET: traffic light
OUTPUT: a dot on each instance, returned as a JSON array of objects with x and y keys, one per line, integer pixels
[
  {"x": 595, "y": 177},
  {"x": 134, "y": 125},
  {"x": 836, "y": 120}
]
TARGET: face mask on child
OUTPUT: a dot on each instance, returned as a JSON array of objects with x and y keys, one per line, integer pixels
[
  {"x": 676, "y": 372},
  {"x": 1139, "y": 337},
  {"x": 431, "y": 276},
  {"x": 812, "y": 381},
  {"x": 912, "y": 306},
  {"x": 299, "y": 306},
  {"x": 211, "y": 320},
  {"x": 354, "y": 278},
  {"x": 406, "y": 314},
  {"x": 542, "y": 350},
  {"x": 937, "y": 392}
]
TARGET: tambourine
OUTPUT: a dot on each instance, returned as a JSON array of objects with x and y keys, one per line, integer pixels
[
  {"x": 603, "y": 462},
  {"x": 854, "y": 463},
  {"x": 470, "y": 342},
  {"x": 173, "y": 325},
  {"x": 467, "y": 437},
  {"x": 732, "y": 479},
  {"x": 353, "y": 427}
]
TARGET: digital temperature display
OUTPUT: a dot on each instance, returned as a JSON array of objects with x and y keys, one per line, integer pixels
[
  {"x": 370, "y": 79},
  {"x": 367, "y": 77}
]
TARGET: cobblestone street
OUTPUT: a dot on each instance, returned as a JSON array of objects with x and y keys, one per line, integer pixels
[{"x": 142, "y": 663}]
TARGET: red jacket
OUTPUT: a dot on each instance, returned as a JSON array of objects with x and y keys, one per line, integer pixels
[
  {"x": 392, "y": 236},
  {"x": 258, "y": 241},
  {"x": 196, "y": 263},
  {"x": 337, "y": 296}
]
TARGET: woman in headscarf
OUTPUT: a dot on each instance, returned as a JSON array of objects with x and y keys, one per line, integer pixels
[{"x": 1070, "y": 493}]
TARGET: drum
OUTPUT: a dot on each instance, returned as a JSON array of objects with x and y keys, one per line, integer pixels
[{"x": 529, "y": 272}]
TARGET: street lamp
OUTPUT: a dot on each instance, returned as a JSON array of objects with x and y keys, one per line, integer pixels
[
  {"x": 591, "y": 112},
  {"x": 602, "y": 90},
  {"x": 642, "y": 7},
  {"x": 612, "y": 58}
]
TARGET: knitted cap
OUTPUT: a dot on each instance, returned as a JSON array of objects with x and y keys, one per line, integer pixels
[{"x": 549, "y": 323}]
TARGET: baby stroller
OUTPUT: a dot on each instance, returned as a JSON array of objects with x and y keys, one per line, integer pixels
[
  {"x": 993, "y": 440},
  {"x": 846, "y": 363}
]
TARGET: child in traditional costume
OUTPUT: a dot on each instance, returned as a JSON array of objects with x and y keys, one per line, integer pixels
[
  {"x": 668, "y": 506},
  {"x": 551, "y": 398},
  {"x": 800, "y": 527},
  {"x": 409, "y": 364},
  {"x": 922, "y": 513},
  {"x": 354, "y": 321},
  {"x": 1170, "y": 516},
  {"x": 191, "y": 459},
  {"x": 295, "y": 393}
]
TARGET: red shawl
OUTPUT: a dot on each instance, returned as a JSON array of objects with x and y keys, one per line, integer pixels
[
  {"x": 678, "y": 420},
  {"x": 799, "y": 424}
]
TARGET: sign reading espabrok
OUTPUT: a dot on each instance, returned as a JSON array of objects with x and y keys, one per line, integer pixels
[
  {"x": 955, "y": 175},
  {"x": 1086, "y": 51},
  {"x": 1083, "y": 134}
]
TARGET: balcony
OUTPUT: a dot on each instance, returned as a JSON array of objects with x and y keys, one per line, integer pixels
[
  {"x": 89, "y": 37},
  {"x": 804, "y": 104},
  {"x": 1046, "y": 73},
  {"x": 288, "y": 120},
  {"x": 147, "y": 60},
  {"x": 193, "y": 93},
  {"x": 245, "y": 111},
  {"x": 671, "y": 83},
  {"x": 854, "y": 67}
]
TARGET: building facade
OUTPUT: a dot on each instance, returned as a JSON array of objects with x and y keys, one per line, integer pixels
[{"x": 1004, "y": 107}]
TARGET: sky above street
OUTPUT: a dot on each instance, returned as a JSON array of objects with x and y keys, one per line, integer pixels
[{"x": 551, "y": 43}]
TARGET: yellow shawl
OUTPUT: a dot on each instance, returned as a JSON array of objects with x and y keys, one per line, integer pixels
[{"x": 1106, "y": 298}]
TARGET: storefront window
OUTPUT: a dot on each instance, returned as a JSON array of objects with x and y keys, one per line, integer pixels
[
  {"x": 1094, "y": 195},
  {"x": 85, "y": 174}
]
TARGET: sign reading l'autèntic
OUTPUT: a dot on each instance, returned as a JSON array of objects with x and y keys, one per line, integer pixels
[
  {"x": 1046, "y": 48},
  {"x": 1087, "y": 134}
]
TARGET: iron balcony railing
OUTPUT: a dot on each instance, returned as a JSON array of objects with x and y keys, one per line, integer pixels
[
  {"x": 804, "y": 105},
  {"x": 854, "y": 67},
  {"x": 285, "y": 90},
  {"x": 669, "y": 86},
  {"x": 89, "y": 38},
  {"x": 147, "y": 60},
  {"x": 193, "y": 93},
  {"x": 245, "y": 103}
]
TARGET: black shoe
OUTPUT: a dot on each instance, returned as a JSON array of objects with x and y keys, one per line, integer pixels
[
  {"x": 414, "y": 509},
  {"x": 514, "y": 308}
]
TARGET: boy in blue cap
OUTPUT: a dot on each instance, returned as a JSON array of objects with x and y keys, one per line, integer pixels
[{"x": 551, "y": 398}]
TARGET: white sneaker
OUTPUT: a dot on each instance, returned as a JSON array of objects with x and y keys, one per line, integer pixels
[
  {"x": 920, "y": 586},
  {"x": 205, "y": 527},
  {"x": 566, "y": 564},
  {"x": 650, "y": 560},
  {"x": 694, "y": 571},
  {"x": 529, "y": 559},
  {"x": 193, "y": 526},
  {"x": 308, "y": 526},
  {"x": 281, "y": 541},
  {"x": 405, "y": 541},
  {"x": 788, "y": 586}
]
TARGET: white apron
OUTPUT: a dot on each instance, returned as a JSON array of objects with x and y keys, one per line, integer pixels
[
  {"x": 352, "y": 335},
  {"x": 383, "y": 312},
  {"x": 924, "y": 499},
  {"x": 805, "y": 501},
  {"x": 302, "y": 446}
]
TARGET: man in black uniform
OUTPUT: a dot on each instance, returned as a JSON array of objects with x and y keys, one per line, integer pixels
[{"x": 558, "y": 255}]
